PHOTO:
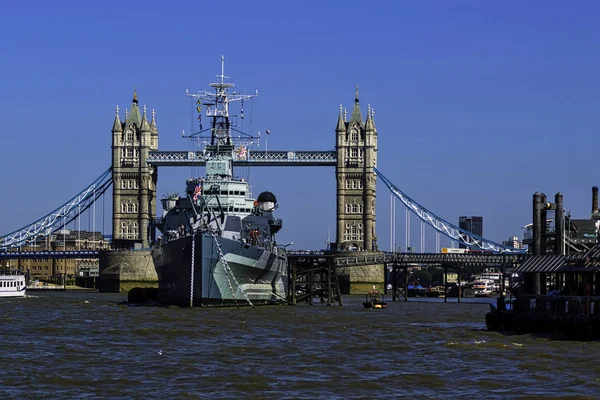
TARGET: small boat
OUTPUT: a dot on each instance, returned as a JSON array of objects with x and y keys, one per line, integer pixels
[
  {"x": 435, "y": 291},
  {"x": 12, "y": 283},
  {"x": 374, "y": 299}
]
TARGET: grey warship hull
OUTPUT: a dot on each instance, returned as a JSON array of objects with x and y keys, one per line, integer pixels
[{"x": 259, "y": 274}]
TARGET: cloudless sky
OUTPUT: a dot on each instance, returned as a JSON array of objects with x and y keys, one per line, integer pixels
[{"x": 477, "y": 104}]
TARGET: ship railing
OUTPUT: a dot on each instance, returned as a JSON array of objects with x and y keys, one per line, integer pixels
[{"x": 574, "y": 306}]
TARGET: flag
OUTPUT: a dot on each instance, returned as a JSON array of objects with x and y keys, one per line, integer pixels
[
  {"x": 241, "y": 153},
  {"x": 197, "y": 192},
  {"x": 268, "y": 132},
  {"x": 199, "y": 109}
]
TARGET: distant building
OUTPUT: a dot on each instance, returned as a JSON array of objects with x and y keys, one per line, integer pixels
[
  {"x": 58, "y": 269},
  {"x": 513, "y": 242},
  {"x": 471, "y": 224}
]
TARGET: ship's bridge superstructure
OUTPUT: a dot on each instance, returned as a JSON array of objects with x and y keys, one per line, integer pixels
[{"x": 220, "y": 191}]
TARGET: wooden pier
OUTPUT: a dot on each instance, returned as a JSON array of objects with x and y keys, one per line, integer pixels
[{"x": 312, "y": 275}]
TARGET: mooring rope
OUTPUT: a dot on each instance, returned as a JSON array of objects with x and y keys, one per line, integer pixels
[{"x": 192, "y": 270}]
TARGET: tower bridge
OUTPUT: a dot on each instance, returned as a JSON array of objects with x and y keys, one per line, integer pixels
[{"x": 134, "y": 175}]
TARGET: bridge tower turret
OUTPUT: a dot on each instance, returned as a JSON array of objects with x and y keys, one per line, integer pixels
[
  {"x": 134, "y": 181},
  {"x": 356, "y": 146}
]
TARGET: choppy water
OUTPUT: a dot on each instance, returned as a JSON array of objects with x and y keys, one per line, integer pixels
[{"x": 61, "y": 345}]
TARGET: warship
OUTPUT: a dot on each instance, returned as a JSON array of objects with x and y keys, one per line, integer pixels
[{"x": 217, "y": 243}]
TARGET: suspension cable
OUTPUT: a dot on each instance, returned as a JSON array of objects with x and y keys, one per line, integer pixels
[{"x": 443, "y": 226}]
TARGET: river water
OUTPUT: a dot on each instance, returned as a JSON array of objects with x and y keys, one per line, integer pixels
[{"x": 86, "y": 345}]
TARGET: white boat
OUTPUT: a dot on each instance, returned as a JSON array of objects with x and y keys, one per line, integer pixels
[
  {"x": 484, "y": 287},
  {"x": 12, "y": 283}
]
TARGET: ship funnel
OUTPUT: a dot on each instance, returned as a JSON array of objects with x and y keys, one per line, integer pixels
[{"x": 595, "y": 200}]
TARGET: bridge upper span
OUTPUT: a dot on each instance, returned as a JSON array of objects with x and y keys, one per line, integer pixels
[{"x": 249, "y": 158}]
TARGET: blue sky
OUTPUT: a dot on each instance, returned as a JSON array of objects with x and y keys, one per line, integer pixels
[{"x": 478, "y": 104}]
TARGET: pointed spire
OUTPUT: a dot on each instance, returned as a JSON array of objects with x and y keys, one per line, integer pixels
[
  {"x": 371, "y": 118},
  {"x": 117, "y": 124},
  {"x": 134, "y": 113},
  {"x": 356, "y": 116},
  {"x": 153, "y": 128},
  {"x": 369, "y": 121},
  {"x": 144, "y": 126},
  {"x": 341, "y": 126}
]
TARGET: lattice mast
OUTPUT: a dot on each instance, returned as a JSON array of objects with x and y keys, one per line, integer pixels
[{"x": 217, "y": 110}]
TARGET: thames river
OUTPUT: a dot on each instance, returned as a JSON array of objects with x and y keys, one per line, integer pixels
[{"x": 86, "y": 345}]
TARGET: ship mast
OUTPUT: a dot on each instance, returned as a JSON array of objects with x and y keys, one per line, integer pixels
[{"x": 217, "y": 108}]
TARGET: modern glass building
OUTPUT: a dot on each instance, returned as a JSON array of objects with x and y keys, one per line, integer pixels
[{"x": 471, "y": 224}]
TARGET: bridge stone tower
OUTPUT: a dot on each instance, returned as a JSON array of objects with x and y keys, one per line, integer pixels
[
  {"x": 356, "y": 145},
  {"x": 134, "y": 181}
]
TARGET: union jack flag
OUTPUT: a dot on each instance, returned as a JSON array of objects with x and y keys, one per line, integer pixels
[
  {"x": 197, "y": 192},
  {"x": 241, "y": 153}
]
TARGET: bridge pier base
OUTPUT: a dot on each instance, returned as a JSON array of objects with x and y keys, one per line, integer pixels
[
  {"x": 361, "y": 279},
  {"x": 122, "y": 270}
]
